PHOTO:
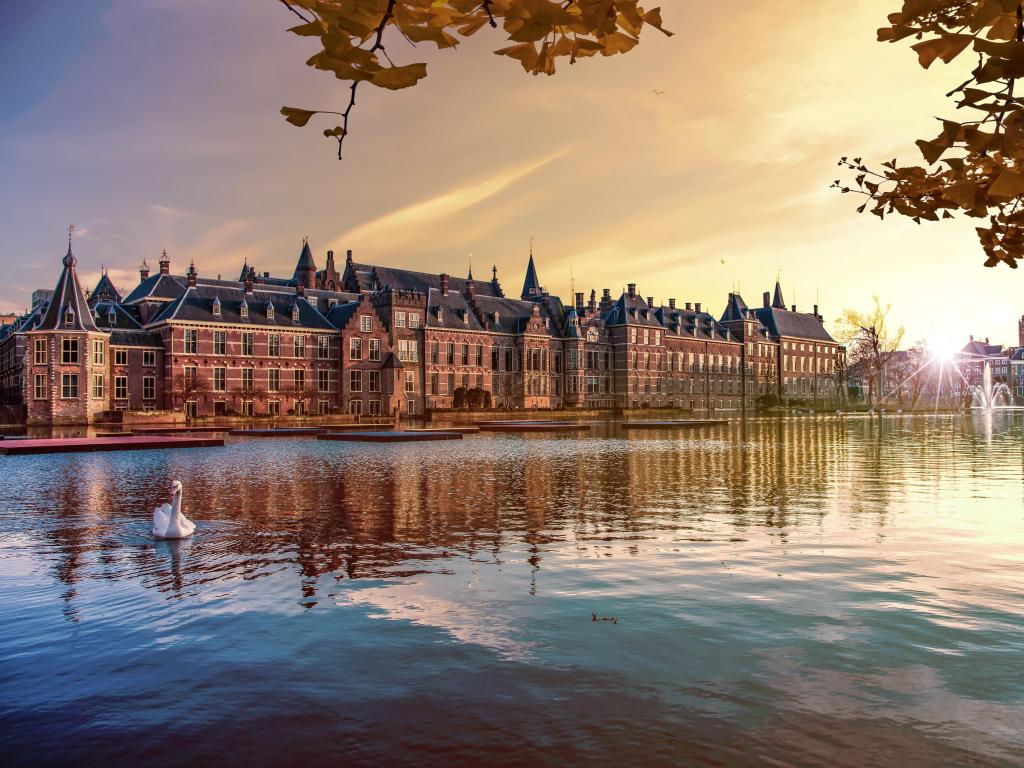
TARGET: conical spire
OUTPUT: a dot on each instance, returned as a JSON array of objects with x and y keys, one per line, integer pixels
[
  {"x": 531, "y": 285},
  {"x": 777, "y": 301},
  {"x": 68, "y": 309},
  {"x": 305, "y": 268}
]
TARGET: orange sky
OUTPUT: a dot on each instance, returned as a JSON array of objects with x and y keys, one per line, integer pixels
[{"x": 163, "y": 132}]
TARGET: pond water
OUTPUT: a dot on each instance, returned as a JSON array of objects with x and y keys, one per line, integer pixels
[{"x": 801, "y": 591}]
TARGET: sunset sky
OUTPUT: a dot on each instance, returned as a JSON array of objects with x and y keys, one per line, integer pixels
[{"x": 154, "y": 123}]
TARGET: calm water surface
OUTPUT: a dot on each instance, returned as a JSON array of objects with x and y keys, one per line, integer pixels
[{"x": 807, "y": 591}]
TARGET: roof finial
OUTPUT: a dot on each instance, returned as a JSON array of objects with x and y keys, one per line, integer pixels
[
  {"x": 69, "y": 259},
  {"x": 470, "y": 276},
  {"x": 494, "y": 272},
  {"x": 531, "y": 246}
]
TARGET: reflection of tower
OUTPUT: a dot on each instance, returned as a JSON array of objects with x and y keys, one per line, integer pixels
[{"x": 1020, "y": 331}]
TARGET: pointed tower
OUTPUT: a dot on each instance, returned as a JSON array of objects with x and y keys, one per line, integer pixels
[
  {"x": 104, "y": 291},
  {"x": 777, "y": 301},
  {"x": 305, "y": 268},
  {"x": 66, "y": 376},
  {"x": 531, "y": 285}
]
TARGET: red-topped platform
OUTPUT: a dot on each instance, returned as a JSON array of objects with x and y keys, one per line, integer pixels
[
  {"x": 17, "y": 447},
  {"x": 389, "y": 437}
]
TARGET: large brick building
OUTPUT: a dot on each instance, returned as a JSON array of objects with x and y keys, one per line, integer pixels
[{"x": 378, "y": 340}]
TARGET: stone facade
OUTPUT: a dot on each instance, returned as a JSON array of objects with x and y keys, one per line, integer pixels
[{"x": 375, "y": 341}]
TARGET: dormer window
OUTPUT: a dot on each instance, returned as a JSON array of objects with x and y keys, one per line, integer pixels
[
  {"x": 295, "y": 313},
  {"x": 243, "y": 310},
  {"x": 111, "y": 315},
  {"x": 331, "y": 303},
  {"x": 270, "y": 311},
  {"x": 216, "y": 306},
  {"x": 69, "y": 316},
  {"x": 497, "y": 317}
]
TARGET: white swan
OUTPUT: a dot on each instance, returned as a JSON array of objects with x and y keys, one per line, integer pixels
[{"x": 168, "y": 522}]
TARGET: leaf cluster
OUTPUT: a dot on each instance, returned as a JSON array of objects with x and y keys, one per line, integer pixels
[
  {"x": 973, "y": 167},
  {"x": 352, "y": 37}
]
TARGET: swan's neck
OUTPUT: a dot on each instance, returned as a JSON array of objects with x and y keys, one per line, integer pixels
[{"x": 176, "y": 506}]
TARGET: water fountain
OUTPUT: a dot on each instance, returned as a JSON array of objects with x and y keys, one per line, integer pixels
[{"x": 987, "y": 397}]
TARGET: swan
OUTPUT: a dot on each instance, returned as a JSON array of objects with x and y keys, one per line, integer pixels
[{"x": 168, "y": 522}]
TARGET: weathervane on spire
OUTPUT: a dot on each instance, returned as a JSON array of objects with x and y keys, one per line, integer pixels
[{"x": 470, "y": 276}]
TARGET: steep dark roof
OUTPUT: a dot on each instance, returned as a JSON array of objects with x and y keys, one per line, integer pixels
[
  {"x": 982, "y": 349},
  {"x": 340, "y": 314},
  {"x": 735, "y": 309},
  {"x": 455, "y": 312},
  {"x": 691, "y": 324},
  {"x": 121, "y": 319},
  {"x": 502, "y": 315},
  {"x": 777, "y": 301},
  {"x": 104, "y": 291},
  {"x": 372, "y": 278},
  {"x": 800, "y": 325},
  {"x": 531, "y": 285},
  {"x": 68, "y": 296},
  {"x": 631, "y": 310},
  {"x": 305, "y": 261},
  {"x": 157, "y": 287}
]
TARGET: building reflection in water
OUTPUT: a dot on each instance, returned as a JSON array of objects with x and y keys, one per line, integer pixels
[{"x": 383, "y": 512}]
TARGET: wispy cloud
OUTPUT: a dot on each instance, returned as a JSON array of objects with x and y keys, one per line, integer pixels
[{"x": 408, "y": 223}]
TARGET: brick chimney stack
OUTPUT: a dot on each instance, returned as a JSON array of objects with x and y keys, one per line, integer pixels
[
  {"x": 593, "y": 307},
  {"x": 696, "y": 306},
  {"x": 650, "y": 302},
  {"x": 144, "y": 273},
  {"x": 444, "y": 282},
  {"x": 165, "y": 263},
  {"x": 579, "y": 302},
  {"x": 671, "y": 303},
  {"x": 767, "y": 299},
  {"x": 631, "y": 289},
  {"x": 192, "y": 274}
]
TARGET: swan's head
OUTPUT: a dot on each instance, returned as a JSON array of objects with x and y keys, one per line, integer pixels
[{"x": 176, "y": 487}]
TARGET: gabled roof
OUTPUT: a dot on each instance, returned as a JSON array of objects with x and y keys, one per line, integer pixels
[
  {"x": 683, "y": 323},
  {"x": 735, "y": 309},
  {"x": 799, "y": 325},
  {"x": 456, "y": 313},
  {"x": 68, "y": 302},
  {"x": 158, "y": 287},
  {"x": 122, "y": 318},
  {"x": 631, "y": 310},
  {"x": 104, "y": 291},
  {"x": 977, "y": 348},
  {"x": 502, "y": 315}
]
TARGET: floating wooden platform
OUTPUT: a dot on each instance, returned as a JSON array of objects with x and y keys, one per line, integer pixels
[
  {"x": 460, "y": 430},
  {"x": 88, "y": 444},
  {"x": 679, "y": 424},
  {"x": 354, "y": 427},
  {"x": 278, "y": 432},
  {"x": 177, "y": 430},
  {"x": 390, "y": 437},
  {"x": 535, "y": 426}
]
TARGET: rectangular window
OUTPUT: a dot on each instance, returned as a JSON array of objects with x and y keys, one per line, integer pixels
[
  {"x": 410, "y": 381},
  {"x": 121, "y": 357},
  {"x": 120, "y": 387},
  {"x": 451, "y": 383},
  {"x": 374, "y": 408},
  {"x": 273, "y": 379},
  {"x": 399, "y": 319},
  {"x": 149, "y": 358},
  {"x": 274, "y": 345},
  {"x": 69, "y": 386},
  {"x": 97, "y": 386},
  {"x": 99, "y": 356},
  {"x": 408, "y": 350},
  {"x": 148, "y": 388},
  {"x": 449, "y": 353},
  {"x": 299, "y": 379},
  {"x": 39, "y": 356},
  {"x": 69, "y": 352},
  {"x": 374, "y": 381},
  {"x": 479, "y": 355},
  {"x": 247, "y": 343},
  {"x": 219, "y": 342},
  {"x": 495, "y": 358},
  {"x": 247, "y": 379},
  {"x": 323, "y": 382},
  {"x": 465, "y": 354},
  {"x": 219, "y": 379},
  {"x": 414, "y": 320},
  {"x": 299, "y": 346},
  {"x": 355, "y": 381},
  {"x": 191, "y": 341},
  {"x": 39, "y": 386},
  {"x": 433, "y": 352},
  {"x": 375, "y": 349},
  {"x": 355, "y": 348},
  {"x": 274, "y": 408},
  {"x": 433, "y": 384},
  {"x": 365, "y": 323}
]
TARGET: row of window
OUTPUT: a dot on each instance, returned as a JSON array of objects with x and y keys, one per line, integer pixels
[
  {"x": 247, "y": 344},
  {"x": 247, "y": 377},
  {"x": 69, "y": 387}
]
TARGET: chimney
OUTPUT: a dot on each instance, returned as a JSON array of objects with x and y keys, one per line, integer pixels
[
  {"x": 696, "y": 306},
  {"x": 593, "y": 302},
  {"x": 300, "y": 289},
  {"x": 793, "y": 308},
  {"x": 579, "y": 302},
  {"x": 767, "y": 299},
  {"x": 986, "y": 340},
  {"x": 330, "y": 260},
  {"x": 143, "y": 270},
  {"x": 650, "y": 301},
  {"x": 606, "y": 299},
  {"x": 348, "y": 256},
  {"x": 631, "y": 288},
  {"x": 266, "y": 275},
  {"x": 816, "y": 311},
  {"x": 165, "y": 263},
  {"x": 444, "y": 282},
  {"x": 192, "y": 274},
  {"x": 248, "y": 282},
  {"x": 689, "y": 306},
  {"x": 671, "y": 303}
]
